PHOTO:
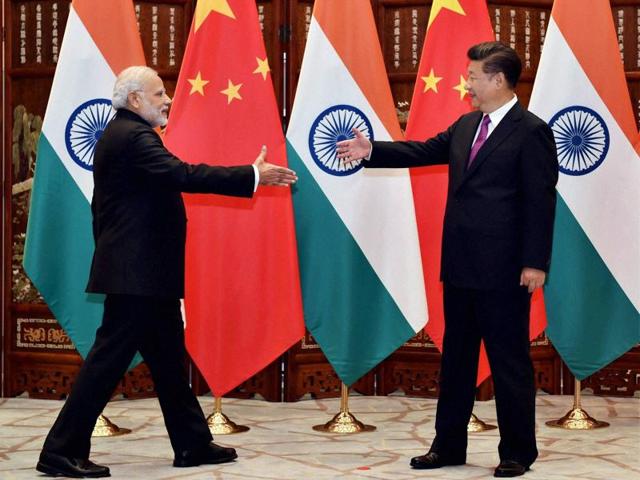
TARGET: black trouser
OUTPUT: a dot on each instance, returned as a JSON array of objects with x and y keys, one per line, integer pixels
[
  {"x": 501, "y": 319},
  {"x": 153, "y": 326}
]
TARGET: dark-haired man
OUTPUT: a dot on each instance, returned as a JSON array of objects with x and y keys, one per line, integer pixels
[{"x": 496, "y": 248}]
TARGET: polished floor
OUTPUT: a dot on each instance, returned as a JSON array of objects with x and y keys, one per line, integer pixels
[{"x": 282, "y": 445}]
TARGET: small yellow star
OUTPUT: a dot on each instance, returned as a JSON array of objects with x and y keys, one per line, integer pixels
[
  {"x": 205, "y": 7},
  {"x": 232, "y": 92},
  {"x": 197, "y": 84},
  {"x": 263, "y": 67},
  {"x": 431, "y": 82},
  {"x": 461, "y": 87},
  {"x": 438, "y": 5}
]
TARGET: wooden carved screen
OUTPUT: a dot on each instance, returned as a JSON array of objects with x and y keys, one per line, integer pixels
[
  {"x": 414, "y": 368},
  {"x": 39, "y": 357}
]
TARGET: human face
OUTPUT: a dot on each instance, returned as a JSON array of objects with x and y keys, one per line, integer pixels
[
  {"x": 484, "y": 88},
  {"x": 153, "y": 102}
]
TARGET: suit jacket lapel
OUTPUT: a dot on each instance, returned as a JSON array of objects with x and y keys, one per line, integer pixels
[{"x": 500, "y": 134}]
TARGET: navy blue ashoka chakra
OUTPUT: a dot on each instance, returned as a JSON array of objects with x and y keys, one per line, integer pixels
[
  {"x": 84, "y": 129},
  {"x": 334, "y": 125},
  {"x": 582, "y": 139}
]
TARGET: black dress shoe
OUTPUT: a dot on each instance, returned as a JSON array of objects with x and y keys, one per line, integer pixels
[
  {"x": 212, "y": 453},
  {"x": 59, "y": 466},
  {"x": 434, "y": 460},
  {"x": 509, "y": 468}
]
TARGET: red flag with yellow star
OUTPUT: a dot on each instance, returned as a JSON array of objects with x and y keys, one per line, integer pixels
[
  {"x": 439, "y": 99},
  {"x": 243, "y": 305}
]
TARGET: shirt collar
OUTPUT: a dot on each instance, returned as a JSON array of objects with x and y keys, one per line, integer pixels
[{"x": 497, "y": 115}]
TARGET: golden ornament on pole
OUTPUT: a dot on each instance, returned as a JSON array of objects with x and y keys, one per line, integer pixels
[
  {"x": 344, "y": 422},
  {"x": 476, "y": 425},
  {"x": 577, "y": 418},
  {"x": 106, "y": 428},
  {"x": 219, "y": 423}
]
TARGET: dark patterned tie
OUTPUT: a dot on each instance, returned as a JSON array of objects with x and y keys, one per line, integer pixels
[{"x": 482, "y": 137}]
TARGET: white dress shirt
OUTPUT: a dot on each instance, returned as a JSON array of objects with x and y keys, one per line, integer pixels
[{"x": 496, "y": 117}]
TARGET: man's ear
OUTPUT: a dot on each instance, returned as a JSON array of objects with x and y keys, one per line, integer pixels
[
  {"x": 500, "y": 79},
  {"x": 133, "y": 100}
]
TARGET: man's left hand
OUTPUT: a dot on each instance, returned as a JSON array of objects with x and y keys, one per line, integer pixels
[{"x": 532, "y": 278}]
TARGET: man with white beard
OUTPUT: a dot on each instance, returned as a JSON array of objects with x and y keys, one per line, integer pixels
[{"x": 139, "y": 228}]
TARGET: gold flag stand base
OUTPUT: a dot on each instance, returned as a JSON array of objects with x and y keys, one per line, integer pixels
[
  {"x": 577, "y": 418},
  {"x": 106, "y": 428},
  {"x": 344, "y": 422},
  {"x": 219, "y": 423},
  {"x": 476, "y": 425}
]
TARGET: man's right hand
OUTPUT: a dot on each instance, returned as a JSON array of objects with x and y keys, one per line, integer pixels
[
  {"x": 273, "y": 174},
  {"x": 355, "y": 149}
]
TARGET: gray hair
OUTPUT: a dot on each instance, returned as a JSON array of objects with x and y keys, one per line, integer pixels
[{"x": 130, "y": 80}]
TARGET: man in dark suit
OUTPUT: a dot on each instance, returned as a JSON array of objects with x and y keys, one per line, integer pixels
[
  {"x": 496, "y": 248},
  {"x": 139, "y": 227}
]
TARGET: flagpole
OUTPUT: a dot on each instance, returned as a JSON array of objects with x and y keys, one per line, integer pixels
[
  {"x": 577, "y": 418},
  {"x": 344, "y": 422},
  {"x": 106, "y": 428},
  {"x": 219, "y": 423}
]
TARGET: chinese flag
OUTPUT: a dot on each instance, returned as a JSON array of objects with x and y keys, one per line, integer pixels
[
  {"x": 242, "y": 301},
  {"x": 439, "y": 99}
]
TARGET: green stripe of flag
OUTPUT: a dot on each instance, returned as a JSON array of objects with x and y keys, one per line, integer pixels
[
  {"x": 59, "y": 247},
  {"x": 591, "y": 320}
]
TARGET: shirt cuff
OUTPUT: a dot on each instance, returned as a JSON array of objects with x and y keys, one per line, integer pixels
[
  {"x": 368, "y": 157},
  {"x": 256, "y": 175}
]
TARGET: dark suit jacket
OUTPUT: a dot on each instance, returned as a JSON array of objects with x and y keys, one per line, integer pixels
[
  {"x": 500, "y": 211},
  {"x": 139, "y": 221}
]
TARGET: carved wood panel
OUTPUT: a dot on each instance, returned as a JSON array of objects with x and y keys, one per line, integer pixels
[
  {"x": 401, "y": 24},
  {"x": 266, "y": 384},
  {"x": 34, "y": 30},
  {"x": 51, "y": 376},
  {"x": 307, "y": 372},
  {"x": 40, "y": 359},
  {"x": 415, "y": 369},
  {"x": 34, "y": 34},
  {"x": 621, "y": 378}
]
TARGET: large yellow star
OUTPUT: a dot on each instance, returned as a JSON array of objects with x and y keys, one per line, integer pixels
[
  {"x": 453, "y": 5},
  {"x": 205, "y": 7},
  {"x": 232, "y": 92},
  {"x": 461, "y": 87},
  {"x": 263, "y": 67},
  {"x": 431, "y": 82},
  {"x": 197, "y": 84}
]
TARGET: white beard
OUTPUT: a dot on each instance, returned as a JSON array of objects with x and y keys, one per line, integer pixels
[{"x": 154, "y": 116}]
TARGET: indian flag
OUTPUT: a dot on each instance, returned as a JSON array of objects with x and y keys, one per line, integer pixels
[
  {"x": 361, "y": 274},
  {"x": 100, "y": 40},
  {"x": 593, "y": 291}
]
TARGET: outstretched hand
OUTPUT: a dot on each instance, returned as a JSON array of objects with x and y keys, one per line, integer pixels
[
  {"x": 271, "y": 174},
  {"x": 355, "y": 149}
]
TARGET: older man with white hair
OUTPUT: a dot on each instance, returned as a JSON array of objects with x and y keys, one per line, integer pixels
[{"x": 139, "y": 227}]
